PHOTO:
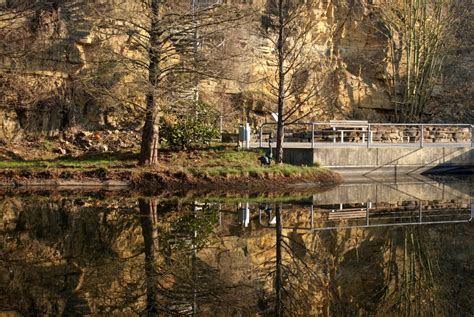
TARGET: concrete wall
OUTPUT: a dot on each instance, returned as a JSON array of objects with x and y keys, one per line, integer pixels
[
  {"x": 361, "y": 160},
  {"x": 299, "y": 156}
]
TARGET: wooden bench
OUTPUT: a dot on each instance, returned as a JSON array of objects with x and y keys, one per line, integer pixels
[
  {"x": 355, "y": 130},
  {"x": 354, "y": 213},
  {"x": 349, "y": 123}
]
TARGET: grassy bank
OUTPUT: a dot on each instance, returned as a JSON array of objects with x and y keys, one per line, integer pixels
[{"x": 213, "y": 167}]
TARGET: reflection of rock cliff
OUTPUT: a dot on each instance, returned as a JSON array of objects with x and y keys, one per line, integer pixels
[
  {"x": 92, "y": 256},
  {"x": 98, "y": 256}
]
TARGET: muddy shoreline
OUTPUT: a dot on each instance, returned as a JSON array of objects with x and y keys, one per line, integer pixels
[{"x": 154, "y": 180}]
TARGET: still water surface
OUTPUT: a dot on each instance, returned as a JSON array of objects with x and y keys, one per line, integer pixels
[{"x": 370, "y": 248}]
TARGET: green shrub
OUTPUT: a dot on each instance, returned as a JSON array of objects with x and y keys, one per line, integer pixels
[{"x": 198, "y": 128}]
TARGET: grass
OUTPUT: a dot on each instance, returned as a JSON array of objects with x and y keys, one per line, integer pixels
[
  {"x": 285, "y": 170},
  {"x": 227, "y": 163},
  {"x": 89, "y": 161},
  {"x": 235, "y": 158},
  {"x": 212, "y": 162},
  {"x": 56, "y": 163}
]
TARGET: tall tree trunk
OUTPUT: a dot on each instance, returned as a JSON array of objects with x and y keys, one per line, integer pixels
[
  {"x": 281, "y": 82},
  {"x": 149, "y": 144}
]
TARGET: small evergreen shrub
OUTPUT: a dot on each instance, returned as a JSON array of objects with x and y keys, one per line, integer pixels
[{"x": 188, "y": 129}]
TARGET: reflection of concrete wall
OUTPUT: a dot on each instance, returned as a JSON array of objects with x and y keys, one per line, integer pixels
[
  {"x": 360, "y": 160},
  {"x": 389, "y": 193}
]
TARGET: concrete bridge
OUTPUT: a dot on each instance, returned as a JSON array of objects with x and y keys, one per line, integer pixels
[{"x": 362, "y": 148}]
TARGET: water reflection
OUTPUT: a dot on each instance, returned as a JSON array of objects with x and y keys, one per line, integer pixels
[
  {"x": 359, "y": 250},
  {"x": 370, "y": 215}
]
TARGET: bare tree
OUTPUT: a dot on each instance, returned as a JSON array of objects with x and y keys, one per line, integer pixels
[
  {"x": 149, "y": 145},
  {"x": 163, "y": 55},
  {"x": 418, "y": 33},
  {"x": 300, "y": 82}
]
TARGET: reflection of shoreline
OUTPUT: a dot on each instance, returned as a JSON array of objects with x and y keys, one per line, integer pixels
[{"x": 217, "y": 194}]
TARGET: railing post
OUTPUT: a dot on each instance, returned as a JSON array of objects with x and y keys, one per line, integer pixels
[
  {"x": 367, "y": 213},
  {"x": 261, "y": 136},
  {"x": 472, "y": 136},
  {"x": 471, "y": 205},
  {"x": 369, "y": 136},
  {"x": 420, "y": 212},
  {"x": 312, "y": 135},
  {"x": 421, "y": 135},
  {"x": 342, "y": 136}
]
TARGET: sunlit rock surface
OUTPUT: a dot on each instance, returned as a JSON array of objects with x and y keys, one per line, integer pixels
[{"x": 59, "y": 73}]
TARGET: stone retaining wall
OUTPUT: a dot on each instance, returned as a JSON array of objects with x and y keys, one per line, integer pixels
[{"x": 431, "y": 134}]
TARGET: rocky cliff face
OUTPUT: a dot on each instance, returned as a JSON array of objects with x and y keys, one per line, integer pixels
[
  {"x": 57, "y": 72},
  {"x": 453, "y": 97}
]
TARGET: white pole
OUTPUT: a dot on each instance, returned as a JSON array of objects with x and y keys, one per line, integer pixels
[{"x": 247, "y": 135}]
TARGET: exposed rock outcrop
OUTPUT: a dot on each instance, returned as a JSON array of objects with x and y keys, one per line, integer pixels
[{"x": 57, "y": 75}]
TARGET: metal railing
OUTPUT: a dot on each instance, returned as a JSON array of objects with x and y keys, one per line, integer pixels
[{"x": 314, "y": 134}]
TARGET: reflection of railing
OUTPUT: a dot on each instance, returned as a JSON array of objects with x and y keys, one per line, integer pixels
[
  {"x": 368, "y": 216},
  {"x": 311, "y": 135}
]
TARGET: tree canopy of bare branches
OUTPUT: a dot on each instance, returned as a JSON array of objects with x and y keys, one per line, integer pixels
[
  {"x": 300, "y": 79},
  {"x": 418, "y": 32},
  {"x": 168, "y": 47}
]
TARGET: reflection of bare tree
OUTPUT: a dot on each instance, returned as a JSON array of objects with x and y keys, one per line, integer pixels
[
  {"x": 148, "y": 224},
  {"x": 177, "y": 281},
  {"x": 99, "y": 260},
  {"x": 353, "y": 271},
  {"x": 294, "y": 269},
  {"x": 279, "y": 263},
  {"x": 411, "y": 287}
]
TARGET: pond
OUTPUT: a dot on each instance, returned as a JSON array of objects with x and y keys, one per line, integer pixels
[{"x": 367, "y": 247}]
